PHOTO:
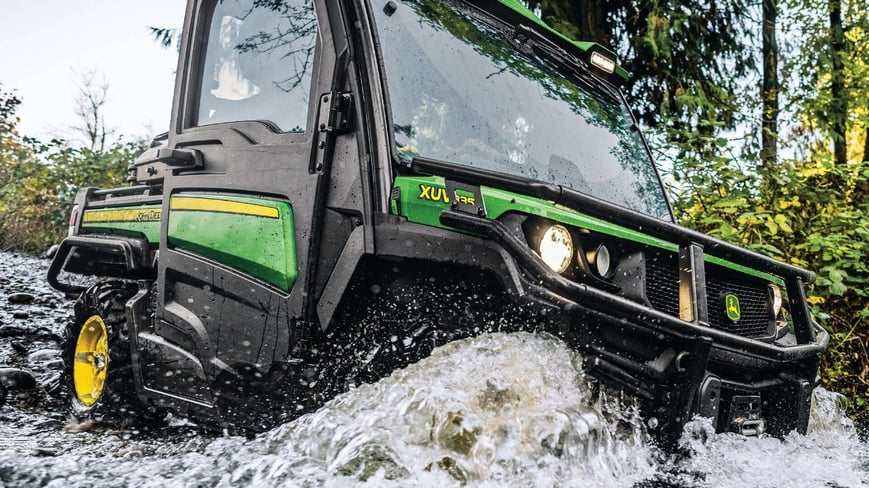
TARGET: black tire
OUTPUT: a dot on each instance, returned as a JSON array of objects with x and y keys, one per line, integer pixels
[{"x": 117, "y": 402}]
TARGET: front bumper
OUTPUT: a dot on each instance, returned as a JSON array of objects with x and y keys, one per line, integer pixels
[{"x": 677, "y": 368}]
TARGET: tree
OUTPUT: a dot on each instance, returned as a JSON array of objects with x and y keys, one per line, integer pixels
[
  {"x": 8, "y": 120},
  {"x": 90, "y": 102},
  {"x": 838, "y": 98},
  {"x": 167, "y": 36},
  {"x": 770, "y": 87},
  {"x": 14, "y": 153},
  {"x": 830, "y": 66}
]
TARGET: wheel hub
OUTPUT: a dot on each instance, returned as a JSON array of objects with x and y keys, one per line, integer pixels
[
  {"x": 99, "y": 361},
  {"x": 91, "y": 361}
]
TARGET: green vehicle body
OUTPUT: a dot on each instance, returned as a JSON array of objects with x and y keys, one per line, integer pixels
[{"x": 268, "y": 264}]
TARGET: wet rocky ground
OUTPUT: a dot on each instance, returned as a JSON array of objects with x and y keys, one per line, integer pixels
[
  {"x": 35, "y": 426},
  {"x": 32, "y": 319}
]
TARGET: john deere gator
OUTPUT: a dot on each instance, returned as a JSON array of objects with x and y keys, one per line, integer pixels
[{"x": 348, "y": 184}]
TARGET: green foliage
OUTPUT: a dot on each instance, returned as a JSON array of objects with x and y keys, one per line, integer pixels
[
  {"x": 688, "y": 60},
  {"x": 829, "y": 71},
  {"x": 39, "y": 181}
]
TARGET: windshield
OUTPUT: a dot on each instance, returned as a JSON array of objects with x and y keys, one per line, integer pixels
[{"x": 460, "y": 92}]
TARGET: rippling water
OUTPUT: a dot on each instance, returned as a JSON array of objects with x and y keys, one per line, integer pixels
[{"x": 497, "y": 410}]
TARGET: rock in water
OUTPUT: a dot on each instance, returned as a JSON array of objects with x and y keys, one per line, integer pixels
[
  {"x": 42, "y": 355},
  {"x": 12, "y": 330},
  {"x": 16, "y": 379},
  {"x": 20, "y": 298},
  {"x": 2, "y": 394}
]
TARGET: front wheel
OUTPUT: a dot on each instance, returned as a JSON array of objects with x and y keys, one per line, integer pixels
[{"x": 97, "y": 369}]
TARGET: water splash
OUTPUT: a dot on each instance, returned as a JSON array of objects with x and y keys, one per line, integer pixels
[
  {"x": 485, "y": 411},
  {"x": 496, "y": 410},
  {"x": 830, "y": 454}
]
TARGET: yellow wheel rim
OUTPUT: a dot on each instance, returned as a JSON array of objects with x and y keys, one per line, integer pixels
[{"x": 91, "y": 361}]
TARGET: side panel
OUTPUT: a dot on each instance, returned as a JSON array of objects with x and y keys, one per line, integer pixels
[
  {"x": 423, "y": 198},
  {"x": 251, "y": 235},
  {"x": 138, "y": 221}
]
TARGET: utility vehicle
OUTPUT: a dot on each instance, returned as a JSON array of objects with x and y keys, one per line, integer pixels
[{"x": 347, "y": 184}]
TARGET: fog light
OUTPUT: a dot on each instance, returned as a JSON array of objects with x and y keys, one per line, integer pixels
[
  {"x": 775, "y": 299},
  {"x": 600, "y": 260},
  {"x": 556, "y": 248}
]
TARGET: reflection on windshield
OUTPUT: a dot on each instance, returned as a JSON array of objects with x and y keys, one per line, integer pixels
[
  {"x": 461, "y": 92},
  {"x": 258, "y": 63}
]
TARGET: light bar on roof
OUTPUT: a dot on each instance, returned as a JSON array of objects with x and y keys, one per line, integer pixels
[{"x": 602, "y": 62}]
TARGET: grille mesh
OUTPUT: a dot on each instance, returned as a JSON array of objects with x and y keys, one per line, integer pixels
[
  {"x": 662, "y": 291},
  {"x": 662, "y": 284}
]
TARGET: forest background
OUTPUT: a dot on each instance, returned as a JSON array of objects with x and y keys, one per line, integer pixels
[{"x": 757, "y": 111}]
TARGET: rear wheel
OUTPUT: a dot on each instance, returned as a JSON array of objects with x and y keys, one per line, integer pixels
[{"x": 96, "y": 355}]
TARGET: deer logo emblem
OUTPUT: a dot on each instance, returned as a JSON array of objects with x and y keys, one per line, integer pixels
[{"x": 731, "y": 307}]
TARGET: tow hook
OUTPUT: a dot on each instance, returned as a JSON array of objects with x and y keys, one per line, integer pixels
[{"x": 746, "y": 416}]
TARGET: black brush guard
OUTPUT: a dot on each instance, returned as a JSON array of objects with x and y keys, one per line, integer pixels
[{"x": 677, "y": 368}]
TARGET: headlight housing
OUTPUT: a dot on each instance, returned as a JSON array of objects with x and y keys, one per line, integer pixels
[
  {"x": 775, "y": 300},
  {"x": 601, "y": 260},
  {"x": 556, "y": 248},
  {"x": 575, "y": 253}
]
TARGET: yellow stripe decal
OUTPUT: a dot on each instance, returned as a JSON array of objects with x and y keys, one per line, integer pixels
[
  {"x": 124, "y": 215},
  {"x": 223, "y": 206}
]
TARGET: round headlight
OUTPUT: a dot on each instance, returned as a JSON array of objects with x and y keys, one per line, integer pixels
[
  {"x": 775, "y": 299},
  {"x": 556, "y": 248},
  {"x": 601, "y": 260}
]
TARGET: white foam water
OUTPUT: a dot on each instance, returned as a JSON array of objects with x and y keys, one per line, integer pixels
[
  {"x": 491, "y": 411},
  {"x": 829, "y": 455}
]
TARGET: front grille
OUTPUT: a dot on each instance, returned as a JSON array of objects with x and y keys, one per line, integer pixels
[
  {"x": 662, "y": 291},
  {"x": 752, "y": 293}
]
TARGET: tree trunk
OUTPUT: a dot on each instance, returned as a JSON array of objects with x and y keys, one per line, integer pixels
[
  {"x": 866, "y": 146},
  {"x": 591, "y": 20},
  {"x": 769, "y": 89},
  {"x": 838, "y": 102}
]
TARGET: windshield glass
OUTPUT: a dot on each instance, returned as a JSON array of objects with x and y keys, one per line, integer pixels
[{"x": 460, "y": 92}]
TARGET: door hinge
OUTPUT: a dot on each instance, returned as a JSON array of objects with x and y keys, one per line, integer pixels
[
  {"x": 333, "y": 119},
  {"x": 334, "y": 113}
]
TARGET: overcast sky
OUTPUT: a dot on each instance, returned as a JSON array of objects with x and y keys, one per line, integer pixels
[{"x": 44, "y": 40}]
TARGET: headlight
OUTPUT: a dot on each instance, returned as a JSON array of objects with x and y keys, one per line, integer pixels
[
  {"x": 601, "y": 260},
  {"x": 775, "y": 299},
  {"x": 556, "y": 248}
]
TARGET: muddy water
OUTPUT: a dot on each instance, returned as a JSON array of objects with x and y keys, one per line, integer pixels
[{"x": 498, "y": 410}]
